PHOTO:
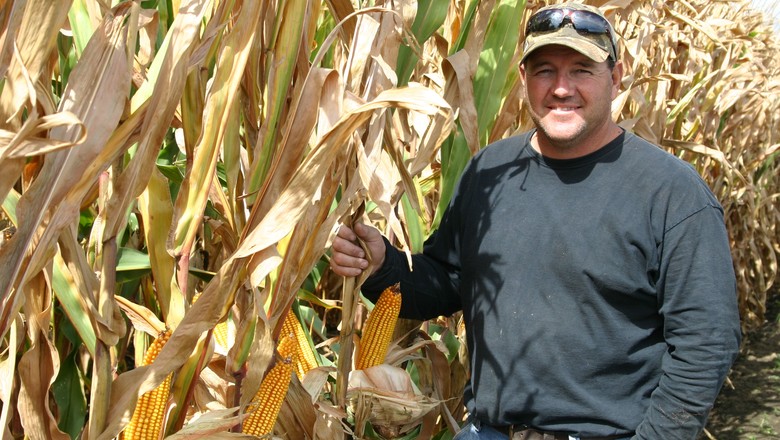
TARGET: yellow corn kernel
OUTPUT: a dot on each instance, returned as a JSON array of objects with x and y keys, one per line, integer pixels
[
  {"x": 378, "y": 329},
  {"x": 220, "y": 334},
  {"x": 287, "y": 346},
  {"x": 149, "y": 414},
  {"x": 305, "y": 357},
  {"x": 264, "y": 407}
]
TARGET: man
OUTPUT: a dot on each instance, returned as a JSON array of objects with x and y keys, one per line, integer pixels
[{"x": 592, "y": 268}]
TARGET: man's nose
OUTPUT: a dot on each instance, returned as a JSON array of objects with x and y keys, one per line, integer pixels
[{"x": 562, "y": 86}]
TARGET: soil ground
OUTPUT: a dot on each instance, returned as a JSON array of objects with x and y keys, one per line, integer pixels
[{"x": 748, "y": 407}]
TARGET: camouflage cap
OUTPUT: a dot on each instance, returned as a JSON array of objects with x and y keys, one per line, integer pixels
[{"x": 597, "y": 47}]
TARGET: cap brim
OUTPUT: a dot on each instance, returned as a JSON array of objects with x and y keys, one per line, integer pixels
[
  {"x": 569, "y": 37},
  {"x": 579, "y": 44}
]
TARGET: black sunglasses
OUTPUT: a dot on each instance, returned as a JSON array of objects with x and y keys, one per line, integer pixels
[{"x": 584, "y": 22}]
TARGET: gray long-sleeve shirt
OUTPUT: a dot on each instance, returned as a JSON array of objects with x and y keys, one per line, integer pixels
[{"x": 598, "y": 293}]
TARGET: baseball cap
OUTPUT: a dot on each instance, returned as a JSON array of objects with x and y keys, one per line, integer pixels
[{"x": 581, "y": 27}]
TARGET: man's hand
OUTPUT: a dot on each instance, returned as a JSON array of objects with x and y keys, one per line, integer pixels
[{"x": 348, "y": 259}]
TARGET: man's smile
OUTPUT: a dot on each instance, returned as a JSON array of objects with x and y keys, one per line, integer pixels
[{"x": 558, "y": 109}]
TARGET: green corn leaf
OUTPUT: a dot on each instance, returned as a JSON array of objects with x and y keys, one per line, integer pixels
[
  {"x": 67, "y": 60},
  {"x": 455, "y": 154},
  {"x": 430, "y": 16},
  {"x": 490, "y": 84},
  {"x": 9, "y": 205},
  {"x": 468, "y": 22},
  {"x": 172, "y": 172},
  {"x": 131, "y": 265},
  {"x": 68, "y": 392},
  {"x": 495, "y": 63},
  {"x": 80, "y": 25},
  {"x": 414, "y": 225},
  {"x": 280, "y": 67},
  {"x": 70, "y": 299},
  {"x": 204, "y": 275}
]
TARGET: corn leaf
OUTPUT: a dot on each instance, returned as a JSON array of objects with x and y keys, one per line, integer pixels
[
  {"x": 429, "y": 18},
  {"x": 73, "y": 304},
  {"x": 68, "y": 391},
  {"x": 191, "y": 200}
]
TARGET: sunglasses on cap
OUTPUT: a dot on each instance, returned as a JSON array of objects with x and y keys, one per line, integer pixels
[{"x": 586, "y": 23}]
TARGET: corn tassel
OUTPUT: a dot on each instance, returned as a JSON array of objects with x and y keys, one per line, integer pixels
[
  {"x": 264, "y": 407},
  {"x": 149, "y": 414},
  {"x": 305, "y": 357},
  {"x": 378, "y": 330}
]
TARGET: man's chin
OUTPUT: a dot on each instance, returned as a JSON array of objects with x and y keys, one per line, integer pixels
[{"x": 561, "y": 137}]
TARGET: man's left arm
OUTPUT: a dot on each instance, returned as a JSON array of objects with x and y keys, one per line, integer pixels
[{"x": 698, "y": 304}]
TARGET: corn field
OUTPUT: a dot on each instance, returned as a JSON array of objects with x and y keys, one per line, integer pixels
[{"x": 177, "y": 168}]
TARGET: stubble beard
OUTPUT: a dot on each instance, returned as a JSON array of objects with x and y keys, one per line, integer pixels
[{"x": 559, "y": 141}]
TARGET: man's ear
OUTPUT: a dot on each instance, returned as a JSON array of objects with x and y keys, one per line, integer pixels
[
  {"x": 617, "y": 78},
  {"x": 522, "y": 73}
]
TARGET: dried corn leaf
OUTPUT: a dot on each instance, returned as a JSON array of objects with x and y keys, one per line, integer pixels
[
  {"x": 28, "y": 141},
  {"x": 95, "y": 94},
  {"x": 212, "y": 424},
  {"x": 38, "y": 366},
  {"x": 160, "y": 94}
]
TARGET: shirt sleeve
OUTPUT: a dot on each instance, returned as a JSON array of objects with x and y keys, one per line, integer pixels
[
  {"x": 430, "y": 287},
  {"x": 697, "y": 302}
]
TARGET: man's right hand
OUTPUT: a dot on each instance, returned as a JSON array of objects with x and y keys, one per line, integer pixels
[{"x": 348, "y": 259}]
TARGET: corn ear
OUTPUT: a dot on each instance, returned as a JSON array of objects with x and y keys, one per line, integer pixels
[
  {"x": 149, "y": 413},
  {"x": 304, "y": 354},
  {"x": 264, "y": 407},
  {"x": 220, "y": 333},
  {"x": 378, "y": 330}
]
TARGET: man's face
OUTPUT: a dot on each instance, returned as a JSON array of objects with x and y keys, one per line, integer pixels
[{"x": 570, "y": 99}]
